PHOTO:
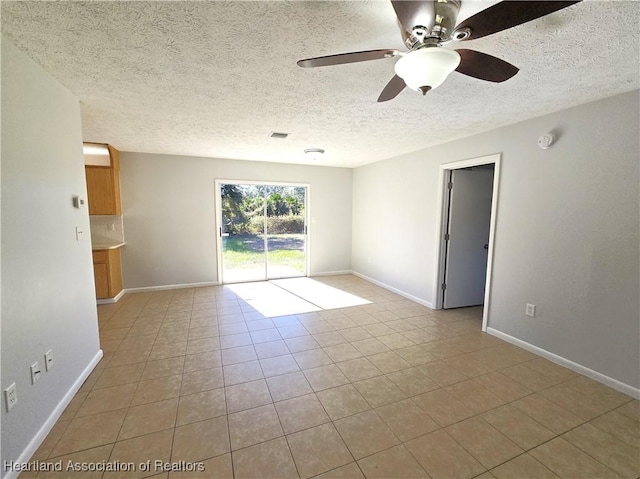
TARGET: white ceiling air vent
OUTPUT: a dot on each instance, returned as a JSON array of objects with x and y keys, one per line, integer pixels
[{"x": 276, "y": 134}]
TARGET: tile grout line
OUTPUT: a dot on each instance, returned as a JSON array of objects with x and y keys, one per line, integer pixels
[{"x": 457, "y": 335}]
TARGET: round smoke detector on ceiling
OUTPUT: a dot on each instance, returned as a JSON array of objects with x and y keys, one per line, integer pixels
[
  {"x": 545, "y": 141},
  {"x": 314, "y": 153}
]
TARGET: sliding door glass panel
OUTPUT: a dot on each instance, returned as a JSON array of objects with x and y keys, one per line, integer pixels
[
  {"x": 285, "y": 228},
  {"x": 263, "y": 232},
  {"x": 243, "y": 233}
]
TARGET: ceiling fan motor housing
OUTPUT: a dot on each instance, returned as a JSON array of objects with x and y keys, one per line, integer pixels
[
  {"x": 434, "y": 28},
  {"x": 446, "y": 17}
]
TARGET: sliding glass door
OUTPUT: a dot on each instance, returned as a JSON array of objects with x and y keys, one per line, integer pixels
[
  {"x": 285, "y": 231},
  {"x": 242, "y": 232},
  {"x": 262, "y": 231}
]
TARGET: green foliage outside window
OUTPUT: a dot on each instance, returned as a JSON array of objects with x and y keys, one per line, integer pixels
[{"x": 243, "y": 209}]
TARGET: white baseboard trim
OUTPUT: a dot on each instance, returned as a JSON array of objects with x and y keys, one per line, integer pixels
[
  {"x": 111, "y": 300},
  {"x": 40, "y": 436},
  {"x": 330, "y": 273},
  {"x": 579, "y": 368},
  {"x": 394, "y": 290},
  {"x": 147, "y": 289}
]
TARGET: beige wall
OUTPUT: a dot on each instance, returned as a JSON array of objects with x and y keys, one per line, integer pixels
[
  {"x": 566, "y": 233},
  {"x": 48, "y": 299},
  {"x": 170, "y": 222}
]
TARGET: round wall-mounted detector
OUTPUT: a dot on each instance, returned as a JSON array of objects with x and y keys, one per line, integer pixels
[{"x": 545, "y": 141}]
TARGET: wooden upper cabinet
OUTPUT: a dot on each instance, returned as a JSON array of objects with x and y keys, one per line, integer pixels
[
  {"x": 103, "y": 186},
  {"x": 115, "y": 157}
]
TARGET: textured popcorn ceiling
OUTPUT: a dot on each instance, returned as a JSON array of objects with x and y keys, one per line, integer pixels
[{"x": 215, "y": 78}]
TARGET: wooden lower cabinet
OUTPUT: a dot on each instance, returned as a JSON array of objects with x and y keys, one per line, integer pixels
[{"x": 107, "y": 272}]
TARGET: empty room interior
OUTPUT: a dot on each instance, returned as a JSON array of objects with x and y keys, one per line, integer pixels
[{"x": 320, "y": 239}]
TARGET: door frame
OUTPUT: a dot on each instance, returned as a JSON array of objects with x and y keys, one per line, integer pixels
[
  {"x": 441, "y": 220},
  {"x": 218, "y": 218}
]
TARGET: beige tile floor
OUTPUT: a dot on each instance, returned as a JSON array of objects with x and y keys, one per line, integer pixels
[{"x": 389, "y": 389}]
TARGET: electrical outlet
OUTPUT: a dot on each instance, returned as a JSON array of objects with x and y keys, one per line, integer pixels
[
  {"x": 35, "y": 372},
  {"x": 11, "y": 396},
  {"x": 48, "y": 360},
  {"x": 530, "y": 310}
]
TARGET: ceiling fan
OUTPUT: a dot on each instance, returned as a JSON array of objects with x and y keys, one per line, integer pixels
[{"x": 427, "y": 25}]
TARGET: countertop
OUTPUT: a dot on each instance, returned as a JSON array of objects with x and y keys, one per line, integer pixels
[{"x": 101, "y": 246}]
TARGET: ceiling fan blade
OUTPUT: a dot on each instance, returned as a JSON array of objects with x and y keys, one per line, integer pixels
[
  {"x": 508, "y": 14},
  {"x": 393, "y": 88},
  {"x": 352, "y": 57},
  {"x": 485, "y": 67},
  {"x": 412, "y": 13}
]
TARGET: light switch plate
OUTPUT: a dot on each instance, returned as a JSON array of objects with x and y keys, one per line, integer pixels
[
  {"x": 48, "y": 360},
  {"x": 35, "y": 372},
  {"x": 79, "y": 233}
]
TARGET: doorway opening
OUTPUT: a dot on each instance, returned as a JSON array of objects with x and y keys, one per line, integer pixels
[
  {"x": 466, "y": 228},
  {"x": 262, "y": 232}
]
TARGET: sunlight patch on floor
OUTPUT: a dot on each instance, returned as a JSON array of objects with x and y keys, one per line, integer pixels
[
  {"x": 270, "y": 300},
  {"x": 320, "y": 294},
  {"x": 283, "y": 297}
]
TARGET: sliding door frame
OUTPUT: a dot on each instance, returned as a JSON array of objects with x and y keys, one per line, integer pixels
[{"x": 218, "y": 220}]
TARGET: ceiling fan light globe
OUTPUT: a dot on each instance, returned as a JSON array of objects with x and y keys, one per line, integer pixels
[{"x": 427, "y": 67}]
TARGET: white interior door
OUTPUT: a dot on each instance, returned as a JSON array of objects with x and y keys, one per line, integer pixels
[{"x": 469, "y": 221}]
